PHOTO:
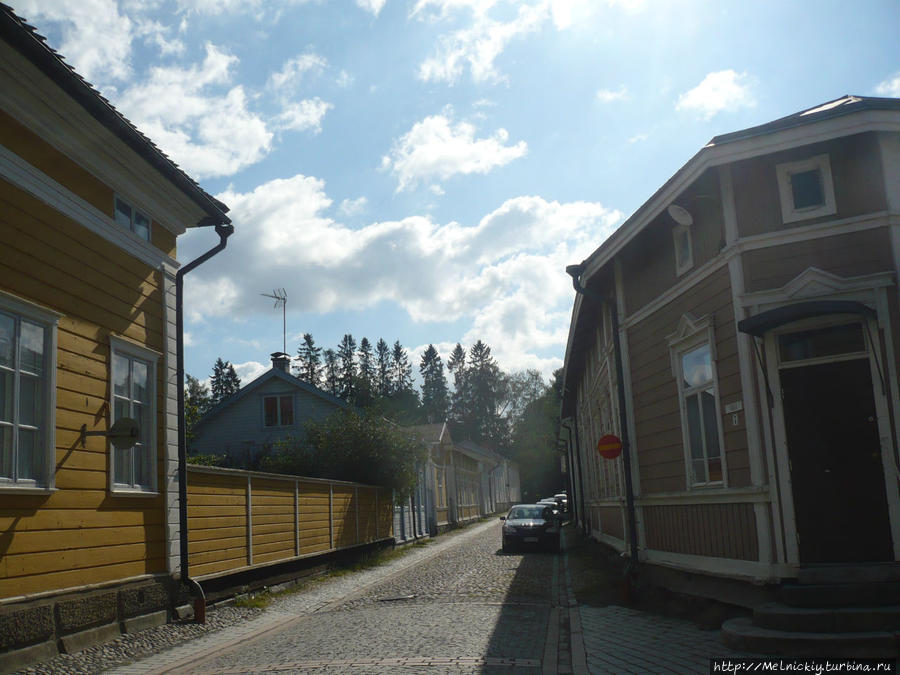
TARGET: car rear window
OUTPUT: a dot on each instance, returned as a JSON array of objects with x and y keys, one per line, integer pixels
[{"x": 525, "y": 512}]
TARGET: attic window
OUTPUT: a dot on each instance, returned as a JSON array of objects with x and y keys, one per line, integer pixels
[
  {"x": 132, "y": 219},
  {"x": 278, "y": 411},
  {"x": 806, "y": 189}
]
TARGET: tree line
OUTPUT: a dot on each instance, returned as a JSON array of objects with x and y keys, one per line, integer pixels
[{"x": 515, "y": 413}]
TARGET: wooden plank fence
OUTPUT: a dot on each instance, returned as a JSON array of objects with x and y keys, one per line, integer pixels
[{"x": 241, "y": 519}]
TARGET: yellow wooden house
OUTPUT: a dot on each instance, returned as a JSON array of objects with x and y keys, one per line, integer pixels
[{"x": 90, "y": 213}]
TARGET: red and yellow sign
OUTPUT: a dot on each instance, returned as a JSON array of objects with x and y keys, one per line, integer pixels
[{"x": 609, "y": 447}]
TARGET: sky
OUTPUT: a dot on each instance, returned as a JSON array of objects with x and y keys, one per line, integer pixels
[{"x": 424, "y": 170}]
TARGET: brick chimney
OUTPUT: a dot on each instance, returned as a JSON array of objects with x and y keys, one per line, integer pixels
[{"x": 282, "y": 362}]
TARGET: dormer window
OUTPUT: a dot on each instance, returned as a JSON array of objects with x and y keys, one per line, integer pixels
[
  {"x": 806, "y": 189},
  {"x": 132, "y": 219}
]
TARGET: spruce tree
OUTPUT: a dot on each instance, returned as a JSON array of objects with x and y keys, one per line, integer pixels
[
  {"x": 332, "y": 372},
  {"x": 382, "y": 368},
  {"x": 365, "y": 377},
  {"x": 224, "y": 381},
  {"x": 232, "y": 381},
  {"x": 435, "y": 398},
  {"x": 310, "y": 358},
  {"x": 401, "y": 375},
  {"x": 346, "y": 354},
  {"x": 456, "y": 364},
  {"x": 484, "y": 385}
]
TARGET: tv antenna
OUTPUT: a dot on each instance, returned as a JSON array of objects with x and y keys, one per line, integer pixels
[{"x": 279, "y": 295}]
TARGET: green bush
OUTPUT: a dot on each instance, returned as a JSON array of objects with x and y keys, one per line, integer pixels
[{"x": 351, "y": 446}]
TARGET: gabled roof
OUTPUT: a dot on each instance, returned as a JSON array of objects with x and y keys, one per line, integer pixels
[
  {"x": 431, "y": 433},
  {"x": 840, "y": 117},
  {"x": 33, "y": 46},
  {"x": 475, "y": 451},
  {"x": 271, "y": 374}
]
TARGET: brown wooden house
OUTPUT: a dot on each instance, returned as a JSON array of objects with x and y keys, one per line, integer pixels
[{"x": 755, "y": 296}]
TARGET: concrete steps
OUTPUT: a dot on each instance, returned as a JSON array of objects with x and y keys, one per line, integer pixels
[
  {"x": 742, "y": 635},
  {"x": 818, "y": 618}
]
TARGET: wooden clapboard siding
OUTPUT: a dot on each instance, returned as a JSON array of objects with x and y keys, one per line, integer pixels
[
  {"x": 344, "y": 516},
  {"x": 27, "y": 145},
  {"x": 368, "y": 514},
  {"x": 611, "y": 521},
  {"x": 81, "y": 533},
  {"x": 716, "y": 530},
  {"x": 846, "y": 255},
  {"x": 659, "y": 441},
  {"x": 856, "y": 171}
]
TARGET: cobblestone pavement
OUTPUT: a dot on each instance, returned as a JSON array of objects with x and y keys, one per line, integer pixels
[{"x": 456, "y": 606}]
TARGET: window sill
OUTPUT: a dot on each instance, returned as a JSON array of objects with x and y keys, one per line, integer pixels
[
  {"x": 12, "y": 488},
  {"x": 126, "y": 492}
]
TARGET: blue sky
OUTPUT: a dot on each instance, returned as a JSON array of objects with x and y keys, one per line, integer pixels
[{"x": 423, "y": 170}]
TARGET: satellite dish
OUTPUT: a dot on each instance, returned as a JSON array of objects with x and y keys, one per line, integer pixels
[
  {"x": 124, "y": 433},
  {"x": 680, "y": 215}
]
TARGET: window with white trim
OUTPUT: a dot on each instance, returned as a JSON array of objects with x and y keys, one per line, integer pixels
[
  {"x": 27, "y": 394},
  {"x": 806, "y": 189},
  {"x": 131, "y": 219},
  {"x": 134, "y": 396},
  {"x": 692, "y": 350},
  {"x": 278, "y": 411},
  {"x": 684, "y": 251}
]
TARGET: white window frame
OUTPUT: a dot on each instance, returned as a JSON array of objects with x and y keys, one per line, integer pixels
[
  {"x": 691, "y": 334},
  {"x": 789, "y": 214},
  {"x": 279, "y": 397},
  {"x": 683, "y": 265},
  {"x": 137, "y": 352},
  {"x": 49, "y": 321},
  {"x": 134, "y": 211}
]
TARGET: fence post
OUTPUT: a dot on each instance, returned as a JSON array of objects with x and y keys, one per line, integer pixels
[
  {"x": 249, "y": 522},
  {"x": 377, "y": 513},
  {"x": 356, "y": 501},
  {"x": 296, "y": 517},
  {"x": 331, "y": 515}
]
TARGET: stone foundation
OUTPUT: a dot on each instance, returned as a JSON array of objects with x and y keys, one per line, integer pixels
[{"x": 36, "y": 630}]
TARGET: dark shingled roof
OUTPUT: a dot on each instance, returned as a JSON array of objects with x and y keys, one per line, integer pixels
[{"x": 33, "y": 46}]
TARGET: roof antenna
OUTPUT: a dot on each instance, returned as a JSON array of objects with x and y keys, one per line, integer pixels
[{"x": 280, "y": 297}]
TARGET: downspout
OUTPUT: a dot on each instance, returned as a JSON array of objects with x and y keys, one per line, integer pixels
[
  {"x": 573, "y": 500},
  {"x": 575, "y": 271},
  {"x": 224, "y": 230}
]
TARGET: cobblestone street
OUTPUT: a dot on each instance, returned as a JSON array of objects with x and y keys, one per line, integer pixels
[{"x": 457, "y": 605}]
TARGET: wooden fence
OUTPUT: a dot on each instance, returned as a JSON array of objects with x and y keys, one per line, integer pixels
[{"x": 240, "y": 519}]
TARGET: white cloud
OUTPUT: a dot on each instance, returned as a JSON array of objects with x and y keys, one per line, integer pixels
[
  {"x": 478, "y": 46},
  {"x": 96, "y": 38},
  {"x": 352, "y": 207},
  {"x": 724, "y": 90},
  {"x": 288, "y": 79},
  {"x": 306, "y": 114},
  {"x": 344, "y": 79},
  {"x": 195, "y": 119},
  {"x": 610, "y": 95},
  {"x": 436, "y": 148},
  {"x": 890, "y": 86},
  {"x": 639, "y": 138},
  {"x": 250, "y": 370},
  {"x": 373, "y": 6},
  {"x": 158, "y": 34},
  {"x": 504, "y": 275}
]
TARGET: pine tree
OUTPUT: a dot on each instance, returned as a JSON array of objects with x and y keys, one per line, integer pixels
[
  {"x": 401, "y": 370},
  {"x": 332, "y": 372},
  {"x": 382, "y": 368},
  {"x": 435, "y": 398},
  {"x": 310, "y": 358},
  {"x": 224, "y": 381},
  {"x": 346, "y": 354}
]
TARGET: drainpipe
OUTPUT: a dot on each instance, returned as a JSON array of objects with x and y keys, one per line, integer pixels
[
  {"x": 574, "y": 501},
  {"x": 575, "y": 271},
  {"x": 224, "y": 229}
]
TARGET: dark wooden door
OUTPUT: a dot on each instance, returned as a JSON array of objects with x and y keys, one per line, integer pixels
[{"x": 836, "y": 466}]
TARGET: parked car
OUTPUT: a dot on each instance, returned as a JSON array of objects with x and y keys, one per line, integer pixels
[
  {"x": 532, "y": 524},
  {"x": 563, "y": 500},
  {"x": 553, "y": 504}
]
